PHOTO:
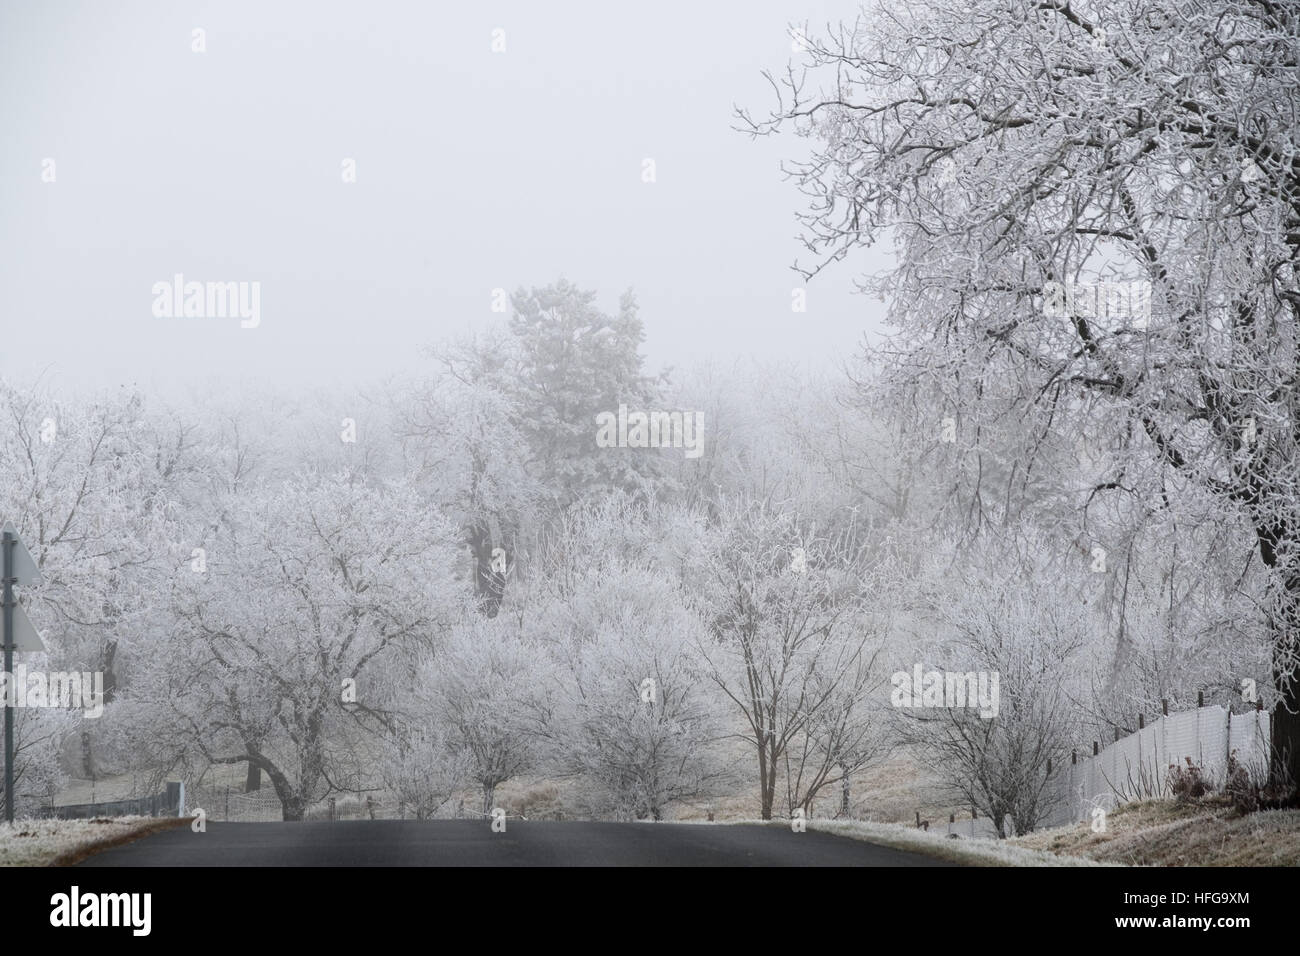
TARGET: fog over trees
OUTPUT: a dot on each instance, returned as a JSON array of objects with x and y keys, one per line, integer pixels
[{"x": 1071, "y": 463}]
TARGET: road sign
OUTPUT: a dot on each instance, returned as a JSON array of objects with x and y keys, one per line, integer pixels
[
  {"x": 16, "y": 632},
  {"x": 24, "y": 568},
  {"x": 26, "y": 637}
]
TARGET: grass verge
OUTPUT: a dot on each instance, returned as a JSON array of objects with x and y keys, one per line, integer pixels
[{"x": 67, "y": 842}]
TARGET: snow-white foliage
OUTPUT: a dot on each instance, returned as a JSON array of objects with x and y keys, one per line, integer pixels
[
  {"x": 793, "y": 645},
  {"x": 420, "y": 768},
  {"x": 1023, "y": 157},
  {"x": 489, "y": 690},
  {"x": 634, "y": 710},
  {"x": 312, "y": 583}
]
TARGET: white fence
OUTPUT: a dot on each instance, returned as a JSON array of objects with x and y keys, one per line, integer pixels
[
  {"x": 223, "y": 803},
  {"x": 1137, "y": 766},
  {"x": 971, "y": 828}
]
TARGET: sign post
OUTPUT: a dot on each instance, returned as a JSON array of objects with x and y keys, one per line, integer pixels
[
  {"x": 18, "y": 635},
  {"x": 10, "y": 690}
]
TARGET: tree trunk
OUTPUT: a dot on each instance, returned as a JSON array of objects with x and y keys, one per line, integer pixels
[
  {"x": 489, "y": 794},
  {"x": 1285, "y": 624},
  {"x": 767, "y": 765},
  {"x": 293, "y": 809},
  {"x": 489, "y": 585},
  {"x": 110, "y": 674},
  {"x": 253, "y": 779},
  {"x": 1285, "y": 719},
  {"x": 87, "y": 756}
]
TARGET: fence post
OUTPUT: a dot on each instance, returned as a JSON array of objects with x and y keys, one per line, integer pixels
[
  {"x": 1070, "y": 788},
  {"x": 1142, "y": 725},
  {"x": 1263, "y": 743},
  {"x": 1227, "y": 745},
  {"x": 1162, "y": 758},
  {"x": 1093, "y": 771},
  {"x": 1200, "y": 741}
]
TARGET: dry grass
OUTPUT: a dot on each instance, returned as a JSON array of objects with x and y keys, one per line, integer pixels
[
  {"x": 65, "y": 842},
  {"x": 1164, "y": 833}
]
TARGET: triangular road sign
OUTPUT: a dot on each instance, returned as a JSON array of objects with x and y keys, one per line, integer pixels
[
  {"x": 25, "y": 569},
  {"x": 26, "y": 637}
]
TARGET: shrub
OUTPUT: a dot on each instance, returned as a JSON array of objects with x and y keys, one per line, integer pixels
[
  {"x": 1187, "y": 783},
  {"x": 1240, "y": 790},
  {"x": 542, "y": 802}
]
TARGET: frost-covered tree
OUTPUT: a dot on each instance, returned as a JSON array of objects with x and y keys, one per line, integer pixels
[
  {"x": 463, "y": 440},
  {"x": 489, "y": 693},
  {"x": 98, "y": 488},
  {"x": 508, "y": 429},
  {"x": 37, "y": 773},
  {"x": 791, "y": 642},
  {"x": 777, "y": 433},
  {"x": 1097, "y": 213},
  {"x": 634, "y": 712},
  {"x": 574, "y": 362},
  {"x": 314, "y": 601},
  {"x": 420, "y": 767},
  {"x": 999, "y": 614}
]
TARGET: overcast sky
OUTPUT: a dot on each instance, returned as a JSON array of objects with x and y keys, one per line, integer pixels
[{"x": 474, "y": 170}]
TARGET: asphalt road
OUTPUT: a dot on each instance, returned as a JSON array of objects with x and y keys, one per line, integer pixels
[{"x": 525, "y": 843}]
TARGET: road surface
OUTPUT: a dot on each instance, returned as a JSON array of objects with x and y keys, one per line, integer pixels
[{"x": 525, "y": 843}]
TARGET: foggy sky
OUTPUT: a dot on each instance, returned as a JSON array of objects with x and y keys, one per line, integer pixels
[{"x": 475, "y": 170}]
